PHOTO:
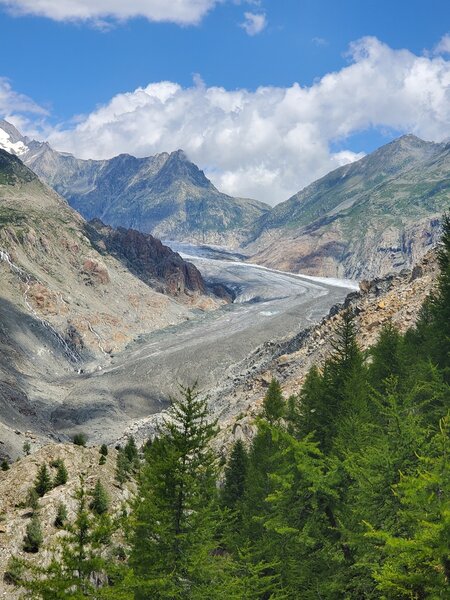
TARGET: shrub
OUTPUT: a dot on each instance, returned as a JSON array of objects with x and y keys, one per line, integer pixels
[
  {"x": 14, "y": 571},
  {"x": 32, "y": 499},
  {"x": 80, "y": 439},
  {"x": 104, "y": 450}
]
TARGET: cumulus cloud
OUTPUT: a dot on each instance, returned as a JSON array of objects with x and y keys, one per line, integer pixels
[
  {"x": 254, "y": 23},
  {"x": 183, "y": 12},
  {"x": 270, "y": 142},
  {"x": 443, "y": 46}
]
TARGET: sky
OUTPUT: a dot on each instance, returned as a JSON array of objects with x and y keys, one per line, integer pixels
[{"x": 264, "y": 95}]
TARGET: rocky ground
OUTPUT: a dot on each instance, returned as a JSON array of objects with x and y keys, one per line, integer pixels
[{"x": 14, "y": 486}]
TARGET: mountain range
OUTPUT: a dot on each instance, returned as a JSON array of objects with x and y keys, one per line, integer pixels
[
  {"x": 377, "y": 215},
  {"x": 165, "y": 195},
  {"x": 74, "y": 293}
]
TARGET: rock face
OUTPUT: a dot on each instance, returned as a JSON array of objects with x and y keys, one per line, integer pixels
[
  {"x": 148, "y": 258},
  {"x": 377, "y": 215},
  {"x": 165, "y": 195}
]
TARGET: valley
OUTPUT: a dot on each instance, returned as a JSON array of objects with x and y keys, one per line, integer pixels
[{"x": 138, "y": 381}]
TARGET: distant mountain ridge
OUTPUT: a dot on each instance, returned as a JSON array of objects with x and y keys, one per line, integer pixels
[
  {"x": 377, "y": 215},
  {"x": 165, "y": 195},
  {"x": 365, "y": 219}
]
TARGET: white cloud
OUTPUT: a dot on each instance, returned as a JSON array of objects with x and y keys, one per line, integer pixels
[
  {"x": 254, "y": 23},
  {"x": 443, "y": 46},
  {"x": 183, "y": 12},
  {"x": 271, "y": 142},
  {"x": 14, "y": 105}
]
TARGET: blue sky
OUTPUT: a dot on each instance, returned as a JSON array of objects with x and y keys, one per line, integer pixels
[{"x": 71, "y": 67}]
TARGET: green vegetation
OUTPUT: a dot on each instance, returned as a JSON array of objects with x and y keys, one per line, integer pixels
[
  {"x": 61, "y": 474},
  {"x": 61, "y": 515},
  {"x": 80, "y": 439},
  {"x": 33, "y": 537},
  {"x": 43, "y": 482},
  {"x": 343, "y": 493},
  {"x": 100, "y": 501}
]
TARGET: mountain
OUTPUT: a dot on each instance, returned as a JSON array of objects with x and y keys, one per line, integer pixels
[
  {"x": 373, "y": 216},
  {"x": 67, "y": 302},
  {"x": 165, "y": 195}
]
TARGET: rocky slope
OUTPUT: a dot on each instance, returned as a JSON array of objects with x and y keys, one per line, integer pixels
[
  {"x": 14, "y": 486},
  {"x": 165, "y": 195},
  {"x": 65, "y": 302},
  {"x": 235, "y": 402},
  {"x": 374, "y": 216}
]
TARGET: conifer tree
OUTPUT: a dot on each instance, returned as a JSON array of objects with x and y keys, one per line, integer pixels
[
  {"x": 33, "y": 537},
  {"x": 5, "y": 465},
  {"x": 122, "y": 467},
  {"x": 26, "y": 448},
  {"x": 235, "y": 476},
  {"x": 387, "y": 360},
  {"x": 100, "y": 500},
  {"x": 77, "y": 557},
  {"x": 43, "y": 482},
  {"x": 440, "y": 304},
  {"x": 131, "y": 451},
  {"x": 273, "y": 404},
  {"x": 61, "y": 515},
  {"x": 173, "y": 534},
  {"x": 61, "y": 474},
  {"x": 417, "y": 550}
]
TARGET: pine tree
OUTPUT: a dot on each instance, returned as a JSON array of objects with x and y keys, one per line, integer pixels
[
  {"x": 43, "y": 482},
  {"x": 102, "y": 460},
  {"x": 100, "y": 500},
  {"x": 131, "y": 451},
  {"x": 26, "y": 448},
  {"x": 273, "y": 404},
  {"x": 122, "y": 467},
  {"x": 417, "y": 551},
  {"x": 33, "y": 537},
  {"x": 61, "y": 474},
  {"x": 387, "y": 359},
  {"x": 5, "y": 465},
  {"x": 173, "y": 535},
  {"x": 440, "y": 306},
  {"x": 235, "y": 476},
  {"x": 61, "y": 515}
]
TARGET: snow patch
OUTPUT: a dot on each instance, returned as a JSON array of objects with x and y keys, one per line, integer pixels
[{"x": 17, "y": 148}]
